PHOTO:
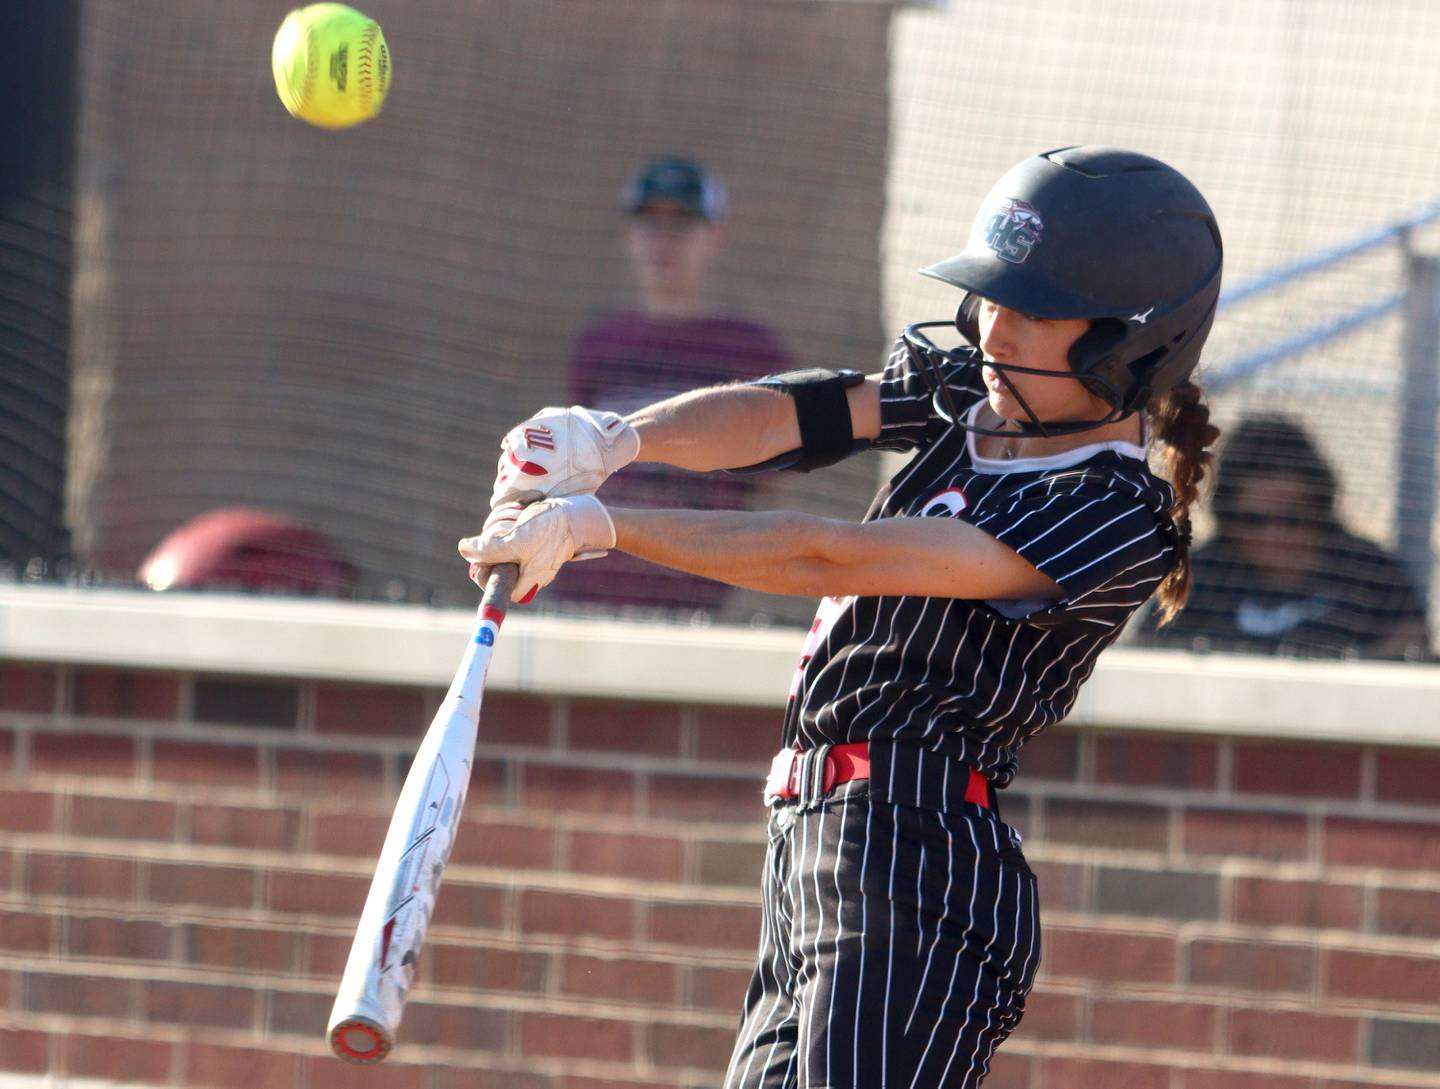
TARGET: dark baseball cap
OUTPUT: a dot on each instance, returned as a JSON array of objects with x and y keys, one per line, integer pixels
[{"x": 675, "y": 179}]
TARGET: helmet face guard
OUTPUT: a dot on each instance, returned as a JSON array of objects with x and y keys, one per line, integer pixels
[{"x": 1102, "y": 234}]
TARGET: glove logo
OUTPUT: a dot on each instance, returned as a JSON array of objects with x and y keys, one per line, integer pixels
[{"x": 1013, "y": 230}]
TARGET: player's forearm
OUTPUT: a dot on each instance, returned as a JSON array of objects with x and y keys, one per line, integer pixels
[
  {"x": 723, "y": 427},
  {"x": 779, "y": 552}
]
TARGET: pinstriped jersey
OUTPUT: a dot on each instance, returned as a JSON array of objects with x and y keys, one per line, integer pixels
[{"x": 968, "y": 679}]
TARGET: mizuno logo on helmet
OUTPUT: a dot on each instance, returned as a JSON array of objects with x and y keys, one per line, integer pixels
[
  {"x": 1012, "y": 229},
  {"x": 1142, "y": 318}
]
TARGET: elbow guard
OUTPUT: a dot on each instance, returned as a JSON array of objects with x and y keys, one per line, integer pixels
[{"x": 823, "y": 412}]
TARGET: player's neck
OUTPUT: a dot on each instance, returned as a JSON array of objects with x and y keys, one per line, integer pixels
[
  {"x": 1012, "y": 447},
  {"x": 672, "y": 307}
]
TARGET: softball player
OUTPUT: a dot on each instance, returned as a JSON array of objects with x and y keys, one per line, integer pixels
[{"x": 900, "y": 932}]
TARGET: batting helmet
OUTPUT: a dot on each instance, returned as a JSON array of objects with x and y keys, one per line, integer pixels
[{"x": 1099, "y": 233}]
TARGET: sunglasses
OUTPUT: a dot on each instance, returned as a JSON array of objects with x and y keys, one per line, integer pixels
[{"x": 1256, "y": 519}]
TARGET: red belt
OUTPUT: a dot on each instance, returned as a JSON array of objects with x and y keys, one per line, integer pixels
[{"x": 844, "y": 763}]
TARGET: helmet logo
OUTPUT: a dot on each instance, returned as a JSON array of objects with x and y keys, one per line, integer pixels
[
  {"x": 1013, "y": 229},
  {"x": 1142, "y": 318}
]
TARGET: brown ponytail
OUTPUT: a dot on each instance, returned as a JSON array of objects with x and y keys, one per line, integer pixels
[{"x": 1182, "y": 432}]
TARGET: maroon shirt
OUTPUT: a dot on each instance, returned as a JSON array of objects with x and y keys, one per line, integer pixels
[{"x": 623, "y": 362}]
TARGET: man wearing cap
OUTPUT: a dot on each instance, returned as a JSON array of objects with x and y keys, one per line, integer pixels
[{"x": 671, "y": 340}]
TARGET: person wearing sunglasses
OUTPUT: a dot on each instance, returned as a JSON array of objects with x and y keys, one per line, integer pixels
[{"x": 1282, "y": 574}]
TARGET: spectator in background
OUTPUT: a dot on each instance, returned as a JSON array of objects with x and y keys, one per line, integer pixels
[
  {"x": 1282, "y": 575},
  {"x": 671, "y": 340}
]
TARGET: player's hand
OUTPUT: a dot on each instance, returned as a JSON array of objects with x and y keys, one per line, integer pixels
[
  {"x": 541, "y": 538},
  {"x": 562, "y": 451}
]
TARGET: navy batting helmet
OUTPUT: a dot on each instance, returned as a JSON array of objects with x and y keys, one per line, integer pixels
[{"x": 1103, "y": 234}]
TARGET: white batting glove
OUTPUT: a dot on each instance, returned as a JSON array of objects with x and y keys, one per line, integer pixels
[
  {"x": 563, "y": 451},
  {"x": 541, "y": 538}
]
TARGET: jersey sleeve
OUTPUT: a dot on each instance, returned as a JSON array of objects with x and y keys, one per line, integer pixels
[
  {"x": 1107, "y": 547},
  {"x": 907, "y": 414}
]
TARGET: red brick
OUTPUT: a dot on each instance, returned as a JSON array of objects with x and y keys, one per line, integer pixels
[
  {"x": 1297, "y": 770},
  {"x": 1397, "y": 845},
  {"x": 507, "y": 718},
  {"x": 1106, "y": 956},
  {"x": 442, "y": 1077},
  {"x": 729, "y": 862},
  {"x": 1111, "y": 825},
  {"x": 513, "y": 846},
  {"x": 1187, "y": 1026},
  {"x": 1136, "y": 760},
  {"x": 25, "y": 1051},
  {"x": 246, "y": 702},
  {"x": 545, "y": 912},
  {"x": 1408, "y": 776},
  {"x": 122, "y": 818},
  {"x": 27, "y": 688},
  {"x": 641, "y": 858},
  {"x": 1242, "y": 1079},
  {"x": 370, "y": 710},
  {"x": 301, "y": 892},
  {"x": 80, "y": 877},
  {"x": 1293, "y": 1034},
  {"x": 193, "y": 1004},
  {"x": 476, "y": 968},
  {"x": 295, "y": 1013},
  {"x": 7, "y": 749},
  {"x": 740, "y": 735},
  {"x": 710, "y": 987},
  {"x": 330, "y": 772},
  {"x": 216, "y": 1066},
  {"x": 705, "y": 926},
  {"x": 575, "y": 789},
  {"x": 1050, "y": 1015},
  {"x": 324, "y": 954},
  {"x": 1382, "y": 977},
  {"x": 695, "y": 797},
  {"x": 465, "y": 1027},
  {"x": 327, "y": 1073},
  {"x": 1109, "y": 1073},
  {"x": 1063, "y": 884},
  {"x": 351, "y": 833},
  {"x": 621, "y": 979},
  {"x": 566, "y": 1037},
  {"x": 192, "y": 883},
  {"x": 123, "y": 694},
  {"x": 211, "y": 765},
  {"x": 1010, "y": 1070},
  {"x": 651, "y": 729},
  {"x": 79, "y": 996},
  {"x": 27, "y": 931},
  {"x": 117, "y": 1059},
  {"x": 1246, "y": 833},
  {"x": 1316, "y": 904},
  {"x": 471, "y": 905},
  {"x": 96, "y": 755},
  {"x": 245, "y": 826},
  {"x": 27, "y": 811},
  {"x": 1413, "y": 912},
  {"x": 690, "y": 1046},
  {"x": 1055, "y": 757},
  {"x": 104, "y": 938},
  {"x": 241, "y": 949},
  {"x": 1251, "y": 966}
]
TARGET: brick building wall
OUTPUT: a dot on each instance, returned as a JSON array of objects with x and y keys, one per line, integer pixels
[{"x": 184, "y": 853}]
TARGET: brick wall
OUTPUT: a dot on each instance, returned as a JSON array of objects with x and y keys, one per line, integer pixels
[{"x": 185, "y": 855}]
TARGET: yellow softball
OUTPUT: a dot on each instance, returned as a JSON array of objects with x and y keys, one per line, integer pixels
[{"x": 332, "y": 66}]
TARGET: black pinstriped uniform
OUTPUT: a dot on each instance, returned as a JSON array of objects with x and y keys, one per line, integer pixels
[{"x": 900, "y": 930}]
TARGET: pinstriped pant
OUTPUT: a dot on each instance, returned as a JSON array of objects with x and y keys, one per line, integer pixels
[{"x": 897, "y": 946}]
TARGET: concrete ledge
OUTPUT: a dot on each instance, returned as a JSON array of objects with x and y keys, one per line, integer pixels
[{"x": 1349, "y": 702}]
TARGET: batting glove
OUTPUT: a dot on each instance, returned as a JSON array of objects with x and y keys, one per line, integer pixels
[
  {"x": 563, "y": 451},
  {"x": 541, "y": 538}
]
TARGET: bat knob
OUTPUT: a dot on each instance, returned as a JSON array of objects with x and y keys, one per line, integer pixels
[{"x": 359, "y": 1040}]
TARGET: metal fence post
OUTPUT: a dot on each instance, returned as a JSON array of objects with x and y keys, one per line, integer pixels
[{"x": 1419, "y": 408}]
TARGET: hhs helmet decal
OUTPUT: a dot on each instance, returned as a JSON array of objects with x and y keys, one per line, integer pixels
[
  {"x": 946, "y": 504},
  {"x": 1012, "y": 229}
]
